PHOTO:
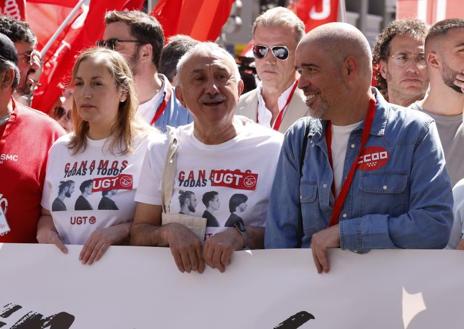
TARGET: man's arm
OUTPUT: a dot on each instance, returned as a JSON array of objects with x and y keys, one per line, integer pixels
[
  {"x": 218, "y": 249},
  {"x": 427, "y": 224},
  {"x": 284, "y": 211},
  {"x": 184, "y": 244}
]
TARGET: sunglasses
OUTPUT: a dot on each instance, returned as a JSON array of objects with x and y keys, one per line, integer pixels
[
  {"x": 113, "y": 43},
  {"x": 279, "y": 52}
]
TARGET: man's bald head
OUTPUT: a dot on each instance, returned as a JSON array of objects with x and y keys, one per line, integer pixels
[{"x": 341, "y": 41}]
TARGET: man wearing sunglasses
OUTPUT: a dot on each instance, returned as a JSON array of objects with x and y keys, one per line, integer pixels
[
  {"x": 140, "y": 39},
  {"x": 399, "y": 55},
  {"x": 29, "y": 62},
  {"x": 276, "y": 102}
]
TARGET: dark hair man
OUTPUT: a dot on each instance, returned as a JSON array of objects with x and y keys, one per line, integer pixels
[
  {"x": 399, "y": 53},
  {"x": 176, "y": 47},
  {"x": 28, "y": 57},
  {"x": 211, "y": 201},
  {"x": 86, "y": 190},
  {"x": 444, "y": 47},
  {"x": 139, "y": 38}
]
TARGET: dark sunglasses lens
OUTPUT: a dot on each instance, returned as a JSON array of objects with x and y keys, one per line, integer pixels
[
  {"x": 280, "y": 52},
  {"x": 259, "y": 51}
]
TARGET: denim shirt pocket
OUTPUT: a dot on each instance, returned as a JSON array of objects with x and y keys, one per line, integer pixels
[
  {"x": 312, "y": 217},
  {"x": 384, "y": 193}
]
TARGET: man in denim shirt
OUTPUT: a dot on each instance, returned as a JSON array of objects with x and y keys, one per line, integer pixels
[{"x": 396, "y": 195}]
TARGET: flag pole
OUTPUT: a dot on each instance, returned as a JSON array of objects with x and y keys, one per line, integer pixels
[
  {"x": 62, "y": 27},
  {"x": 341, "y": 11}
]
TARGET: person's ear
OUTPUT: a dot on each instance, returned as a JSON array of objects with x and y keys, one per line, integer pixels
[
  {"x": 180, "y": 96},
  {"x": 146, "y": 52},
  {"x": 350, "y": 67},
  {"x": 240, "y": 87},
  {"x": 433, "y": 60},
  {"x": 383, "y": 68},
  {"x": 7, "y": 78}
]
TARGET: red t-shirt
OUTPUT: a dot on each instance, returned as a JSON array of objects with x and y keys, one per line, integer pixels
[{"x": 24, "y": 144}]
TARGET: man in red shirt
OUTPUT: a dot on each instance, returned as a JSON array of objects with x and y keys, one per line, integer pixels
[{"x": 25, "y": 137}]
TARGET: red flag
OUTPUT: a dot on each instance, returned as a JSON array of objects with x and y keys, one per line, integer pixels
[
  {"x": 201, "y": 19},
  {"x": 82, "y": 33},
  {"x": 430, "y": 11},
  {"x": 12, "y": 8},
  {"x": 316, "y": 12}
]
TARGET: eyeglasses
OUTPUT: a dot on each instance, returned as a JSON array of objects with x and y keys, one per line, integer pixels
[
  {"x": 402, "y": 59},
  {"x": 279, "y": 52},
  {"x": 30, "y": 57},
  {"x": 113, "y": 43}
]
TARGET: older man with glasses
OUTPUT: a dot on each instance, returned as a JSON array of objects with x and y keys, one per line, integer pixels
[
  {"x": 276, "y": 102},
  {"x": 140, "y": 39}
]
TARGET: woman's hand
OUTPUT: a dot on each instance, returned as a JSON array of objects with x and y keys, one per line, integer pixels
[
  {"x": 46, "y": 235},
  {"x": 100, "y": 240},
  {"x": 46, "y": 231}
]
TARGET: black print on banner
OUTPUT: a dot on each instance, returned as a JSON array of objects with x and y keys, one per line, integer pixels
[
  {"x": 295, "y": 321},
  {"x": 34, "y": 320}
]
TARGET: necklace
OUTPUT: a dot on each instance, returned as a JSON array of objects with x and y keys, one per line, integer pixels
[{"x": 4, "y": 119}]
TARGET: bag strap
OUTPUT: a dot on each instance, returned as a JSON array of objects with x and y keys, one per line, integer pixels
[
  {"x": 170, "y": 167},
  {"x": 302, "y": 157}
]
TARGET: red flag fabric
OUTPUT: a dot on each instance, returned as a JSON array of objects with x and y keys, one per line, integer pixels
[
  {"x": 430, "y": 11},
  {"x": 316, "y": 12},
  {"x": 13, "y": 8},
  {"x": 201, "y": 19},
  {"x": 85, "y": 29}
]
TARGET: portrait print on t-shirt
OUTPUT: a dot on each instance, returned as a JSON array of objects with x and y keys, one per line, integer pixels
[
  {"x": 65, "y": 190},
  {"x": 82, "y": 203}
]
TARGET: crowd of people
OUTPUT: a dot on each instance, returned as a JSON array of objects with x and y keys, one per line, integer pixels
[{"x": 154, "y": 144}]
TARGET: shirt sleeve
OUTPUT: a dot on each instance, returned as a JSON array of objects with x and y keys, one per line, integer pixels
[
  {"x": 428, "y": 222},
  {"x": 458, "y": 215},
  {"x": 284, "y": 212},
  {"x": 151, "y": 176}
]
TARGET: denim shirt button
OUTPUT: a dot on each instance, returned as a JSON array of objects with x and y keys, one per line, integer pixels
[
  {"x": 352, "y": 146},
  {"x": 385, "y": 187},
  {"x": 324, "y": 185},
  {"x": 344, "y": 215}
]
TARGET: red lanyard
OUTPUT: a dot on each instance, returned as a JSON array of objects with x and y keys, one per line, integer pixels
[
  {"x": 334, "y": 218},
  {"x": 161, "y": 108},
  {"x": 279, "y": 118}
]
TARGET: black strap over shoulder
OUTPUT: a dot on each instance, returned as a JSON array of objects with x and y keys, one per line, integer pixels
[{"x": 302, "y": 157}]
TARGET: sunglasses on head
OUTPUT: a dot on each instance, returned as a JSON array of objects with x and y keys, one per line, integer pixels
[
  {"x": 279, "y": 52},
  {"x": 113, "y": 43}
]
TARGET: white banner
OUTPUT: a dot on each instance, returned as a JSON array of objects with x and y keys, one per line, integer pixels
[{"x": 135, "y": 288}]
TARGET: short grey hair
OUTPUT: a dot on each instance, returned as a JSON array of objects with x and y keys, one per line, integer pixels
[
  {"x": 6, "y": 65},
  {"x": 280, "y": 16},
  {"x": 209, "y": 48}
]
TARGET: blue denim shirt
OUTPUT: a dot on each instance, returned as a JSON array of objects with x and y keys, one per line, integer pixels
[
  {"x": 407, "y": 203},
  {"x": 175, "y": 114}
]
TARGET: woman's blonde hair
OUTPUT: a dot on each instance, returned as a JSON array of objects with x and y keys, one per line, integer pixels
[{"x": 127, "y": 125}]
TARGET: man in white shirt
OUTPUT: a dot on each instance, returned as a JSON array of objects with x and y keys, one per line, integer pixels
[
  {"x": 276, "y": 102},
  {"x": 140, "y": 39}
]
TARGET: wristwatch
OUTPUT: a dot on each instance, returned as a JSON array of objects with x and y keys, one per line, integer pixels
[{"x": 241, "y": 229}]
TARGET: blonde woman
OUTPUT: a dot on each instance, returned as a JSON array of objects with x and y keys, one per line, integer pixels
[{"x": 93, "y": 173}]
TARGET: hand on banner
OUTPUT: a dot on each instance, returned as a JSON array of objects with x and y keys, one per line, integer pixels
[
  {"x": 460, "y": 81},
  {"x": 460, "y": 245},
  {"x": 185, "y": 248},
  {"x": 100, "y": 240},
  {"x": 51, "y": 236},
  {"x": 218, "y": 249},
  {"x": 320, "y": 242}
]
